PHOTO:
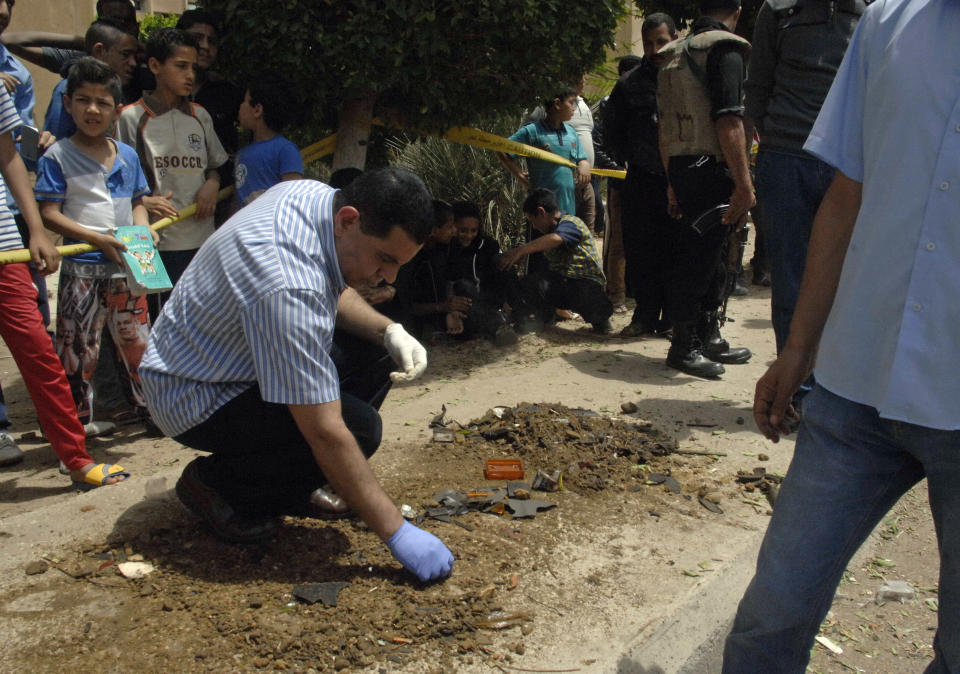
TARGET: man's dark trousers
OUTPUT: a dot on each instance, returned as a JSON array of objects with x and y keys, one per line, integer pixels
[
  {"x": 648, "y": 243},
  {"x": 260, "y": 463},
  {"x": 698, "y": 280}
]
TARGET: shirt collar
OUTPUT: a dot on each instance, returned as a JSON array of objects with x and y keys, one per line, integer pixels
[{"x": 158, "y": 107}]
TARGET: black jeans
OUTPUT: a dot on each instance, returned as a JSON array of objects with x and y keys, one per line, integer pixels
[
  {"x": 542, "y": 293},
  {"x": 260, "y": 463},
  {"x": 648, "y": 243},
  {"x": 698, "y": 281}
]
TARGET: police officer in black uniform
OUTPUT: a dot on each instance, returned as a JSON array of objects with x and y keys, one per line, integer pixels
[{"x": 703, "y": 146}]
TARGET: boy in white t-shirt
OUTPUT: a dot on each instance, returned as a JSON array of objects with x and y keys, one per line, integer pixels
[{"x": 178, "y": 148}]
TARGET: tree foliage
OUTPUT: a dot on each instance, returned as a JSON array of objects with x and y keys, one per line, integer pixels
[{"x": 427, "y": 62}]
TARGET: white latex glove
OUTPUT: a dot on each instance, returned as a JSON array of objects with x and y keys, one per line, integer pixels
[{"x": 406, "y": 352}]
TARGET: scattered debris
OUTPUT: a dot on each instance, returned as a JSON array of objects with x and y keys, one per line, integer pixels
[
  {"x": 311, "y": 593},
  {"x": 548, "y": 482},
  {"x": 408, "y": 512},
  {"x": 36, "y": 567},
  {"x": 666, "y": 480},
  {"x": 762, "y": 457},
  {"x": 701, "y": 452},
  {"x": 503, "y": 469},
  {"x": 134, "y": 570},
  {"x": 443, "y": 435},
  {"x": 629, "y": 408},
  {"x": 895, "y": 590},
  {"x": 829, "y": 645},
  {"x": 87, "y": 508}
]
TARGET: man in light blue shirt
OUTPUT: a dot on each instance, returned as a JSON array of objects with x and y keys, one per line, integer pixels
[
  {"x": 242, "y": 361},
  {"x": 878, "y": 317}
]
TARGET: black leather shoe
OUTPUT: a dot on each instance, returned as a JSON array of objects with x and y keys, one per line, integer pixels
[
  {"x": 325, "y": 505},
  {"x": 225, "y": 522},
  {"x": 719, "y": 350},
  {"x": 693, "y": 363}
]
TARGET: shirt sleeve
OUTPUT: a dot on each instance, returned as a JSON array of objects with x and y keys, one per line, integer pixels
[
  {"x": 290, "y": 159},
  {"x": 569, "y": 233},
  {"x": 289, "y": 334},
  {"x": 578, "y": 154},
  {"x": 56, "y": 120},
  {"x": 216, "y": 155},
  {"x": 140, "y": 184},
  {"x": 50, "y": 185},
  {"x": 837, "y": 135},
  {"x": 24, "y": 98},
  {"x": 763, "y": 63},
  {"x": 725, "y": 75},
  {"x": 522, "y": 135},
  {"x": 9, "y": 119}
]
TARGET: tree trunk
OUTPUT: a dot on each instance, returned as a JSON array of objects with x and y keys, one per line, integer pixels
[{"x": 356, "y": 118}]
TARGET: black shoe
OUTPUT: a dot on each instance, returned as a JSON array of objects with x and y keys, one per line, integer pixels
[
  {"x": 604, "y": 327},
  {"x": 739, "y": 288},
  {"x": 325, "y": 505},
  {"x": 685, "y": 354},
  {"x": 225, "y": 522},
  {"x": 761, "y": 278},
  {"x": 719, "y": 350},
  {"x": 505, "y": 336}
]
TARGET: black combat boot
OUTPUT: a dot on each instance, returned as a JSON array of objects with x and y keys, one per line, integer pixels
[
  {"x": 715, "y": 347},
  {"x": 685, "y": 354}
]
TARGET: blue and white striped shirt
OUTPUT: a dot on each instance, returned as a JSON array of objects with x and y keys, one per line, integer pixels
[
  {"x": 256, "y": 306},
  {"x": 9, "y": 121}
]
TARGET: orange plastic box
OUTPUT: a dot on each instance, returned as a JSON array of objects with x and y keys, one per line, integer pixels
[{"x": 503, "y": 469}]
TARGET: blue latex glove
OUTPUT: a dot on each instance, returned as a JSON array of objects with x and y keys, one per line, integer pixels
[{"x": 420, "y": 552}]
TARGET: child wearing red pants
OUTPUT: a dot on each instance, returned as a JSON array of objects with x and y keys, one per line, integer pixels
[{"x": 22, "y": 328}]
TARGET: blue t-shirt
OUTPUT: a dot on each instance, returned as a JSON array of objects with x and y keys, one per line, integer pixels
[
  {"x": 58, "y": 121},
  {"x": 92, "y": 196},
  {"x": 554, "y": 177},
  {"x": 261, "y": 165}
]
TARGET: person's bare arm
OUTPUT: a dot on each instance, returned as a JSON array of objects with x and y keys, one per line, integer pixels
[
  {"x": 832, "y": 229},
  {"x": 538, "y": 245},
  {"x": 733, "y": 144},
  {"x": 43, "y": 253},
  {"x": 514, "y": 169},
  {"x": 55, "y": 220},
  {"x": 339, "y": 457},
  {"x": 28, "y": 45},
  {"x": 356, "y": 316}
]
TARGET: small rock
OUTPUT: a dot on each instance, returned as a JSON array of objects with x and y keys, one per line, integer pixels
[
  {"x": 340, "y": 663},
  {"x": 629, "y": 408},
  {"x": 714, "y": 496},
  {"x": 895, "y": 590},
  {"x": 255, "y": 603},
  {"x": 87, "y": 508},
  {"x": 519, "y": 648},
  {"x": 36, "y": 568},
  {"x": 762, "y": 457},
  {"x": 134, "y": 570},
  {"x": 740, "y": 421}
]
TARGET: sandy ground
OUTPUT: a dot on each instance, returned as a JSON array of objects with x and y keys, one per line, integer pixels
[{"x": 592, "y": 578}]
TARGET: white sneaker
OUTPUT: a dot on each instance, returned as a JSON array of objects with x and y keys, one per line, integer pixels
[
  {"x": 10, "y": 453},
  {"x": 95, "y": 429}
]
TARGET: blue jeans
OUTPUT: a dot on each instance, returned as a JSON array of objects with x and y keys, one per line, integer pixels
[
  {"x": 849, "y": 468},
  {"x": 790, "y": 189}
]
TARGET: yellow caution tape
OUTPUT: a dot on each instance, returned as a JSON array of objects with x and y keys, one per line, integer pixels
[{"x": 458, "y": 134}]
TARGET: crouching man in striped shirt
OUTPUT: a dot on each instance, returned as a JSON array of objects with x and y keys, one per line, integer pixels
[{"x": 242, "y": 362}]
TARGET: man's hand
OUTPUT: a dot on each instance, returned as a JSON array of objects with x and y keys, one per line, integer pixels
[
  {"x": 421, "y": 553},
  {"x": 741, "y": 201},
  {"x": 509, "y": 258},
  {"x": 111, "y": 247},
  {"x": 582, "y": 176},
  {"x": 45, "y": 141},
  {"x": 10, "y": 82},
  {"x": 377, "y": 294},
  {"x": 457, "y": 303},
  {"x": 772, "y": 409},
  {"x": 44, "y": 255},
  {"x": 673, "y": 206},
  {"x": 160, "y": 206},
  {"x": 454, "y": 321},
  {"x": 207, "y": 198},
  {"x": 406, "y": 352}
]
